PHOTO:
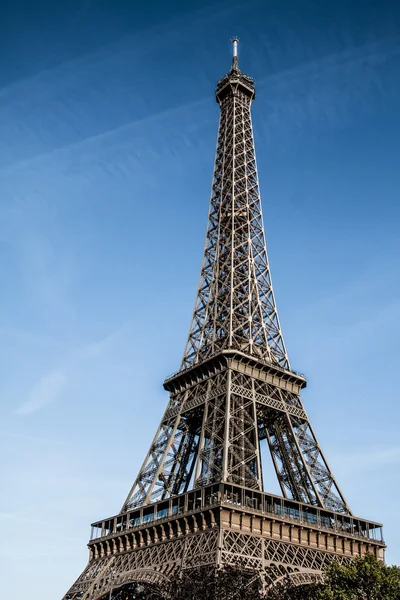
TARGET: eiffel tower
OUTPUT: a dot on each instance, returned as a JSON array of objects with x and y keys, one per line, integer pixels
[{"x": 199, "y": 497}]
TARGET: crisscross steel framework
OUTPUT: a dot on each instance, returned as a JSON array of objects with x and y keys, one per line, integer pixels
[
  {"x": 235, "y": 310},
  {"x": 235, "y": 304},
  {"x": 198, "y": 498}
]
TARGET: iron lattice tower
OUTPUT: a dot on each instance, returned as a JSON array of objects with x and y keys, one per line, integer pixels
[{"x": 199, "y": 497}]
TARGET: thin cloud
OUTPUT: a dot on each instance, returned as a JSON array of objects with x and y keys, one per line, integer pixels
[
  {"x": 28, "y": 337},
  {"x": 50, "y": 386},
  {"x": 44, "y": 392},
  {"x": 30, "y": 438},
  {"x": 104, "y": 135},
  {"x": 139, "y": 43},
  {"x": 95, "y": 349},
  {"x": 328, "y": 91},
  {"x": 324, "y": 101}
]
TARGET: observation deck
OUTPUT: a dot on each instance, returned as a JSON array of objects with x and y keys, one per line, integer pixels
[{"x": 241, "y": 501}]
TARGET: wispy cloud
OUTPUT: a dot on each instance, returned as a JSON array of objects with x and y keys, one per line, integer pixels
[
  {"x": 327, "y": 92},
  {"x": 17, "y": 516},
  {"x": 27, "y": 337},
  {"x": 139, "y": 43},
  {"x": 30, "y": 438},
  {"x": 44, "y": 392},
  {"x": 124, "y": 129},
  {"x": 323, "y": 91},
  {"x": 96, "y": 348},
  {"x": 50, "y": 385}
]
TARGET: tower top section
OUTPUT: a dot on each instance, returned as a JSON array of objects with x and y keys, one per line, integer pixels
[
  {"x": 235, "y": 82},
  {"x": 235, "y": 307}
]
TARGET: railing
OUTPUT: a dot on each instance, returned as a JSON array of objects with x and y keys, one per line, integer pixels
[
  {"x": 220, "y": 353},
  {"x": 303, "y": 520},
  {"x": 273, "y": 507}
]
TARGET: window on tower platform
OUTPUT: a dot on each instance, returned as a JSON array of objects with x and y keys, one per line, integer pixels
[
  {"x": 162, "y": 510},
  {"x": 134, "y": 519},
  {"x": 148, "y": 514}
]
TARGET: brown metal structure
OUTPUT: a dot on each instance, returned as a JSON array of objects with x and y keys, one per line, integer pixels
[{"x": 199, "y": 497}]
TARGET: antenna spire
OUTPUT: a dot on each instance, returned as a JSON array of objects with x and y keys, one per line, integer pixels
[{"x": 235, "y": 58}]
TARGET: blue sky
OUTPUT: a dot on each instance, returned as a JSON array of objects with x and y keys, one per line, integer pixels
[{"x": 108, "y": 125}]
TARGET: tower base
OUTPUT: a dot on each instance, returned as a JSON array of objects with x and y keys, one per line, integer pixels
[{"x": 217, "y": 525}]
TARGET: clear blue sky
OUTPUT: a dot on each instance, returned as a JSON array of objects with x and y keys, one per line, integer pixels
[{"x": 108, "y": 125}]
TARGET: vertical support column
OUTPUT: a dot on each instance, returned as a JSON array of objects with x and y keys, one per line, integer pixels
[
  {"x": 232, "y": 232},
  {"x": 257, "y": 441},
  {"x": 225, "y": 464},
  {"x": 220, "y": 544},
  {"x": 201, "y": 440}
]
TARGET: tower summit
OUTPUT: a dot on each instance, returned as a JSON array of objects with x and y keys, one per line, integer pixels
[
  {"x": 200, "y": 497},
  {"x": 235, "y": 59}
]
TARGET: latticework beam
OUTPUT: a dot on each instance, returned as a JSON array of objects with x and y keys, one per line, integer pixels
[{"x": 198, "y": 498}]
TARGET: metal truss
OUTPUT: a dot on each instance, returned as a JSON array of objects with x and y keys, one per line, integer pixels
[
  {"x": 136, "y": 591},
  {"x": 211, "y": 429},
  {"x": 276, "y": 560},
  {"x": 211, "y": 432},
  {"x": 235, "y": 305},
  {"x": 234, "y": 390},
  {"x": 153, "y": 564},
  {"x": 168, "y": 466},
  {"x": 155, "y": 558}
]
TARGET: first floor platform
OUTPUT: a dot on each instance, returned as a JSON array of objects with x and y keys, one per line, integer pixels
[{"x": 216, "y": 525}]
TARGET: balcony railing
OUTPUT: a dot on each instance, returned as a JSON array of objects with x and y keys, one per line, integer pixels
[{"x": 260, "y": 503}]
